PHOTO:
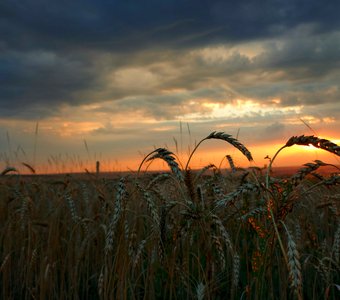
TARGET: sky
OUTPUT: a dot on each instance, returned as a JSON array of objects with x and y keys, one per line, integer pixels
[{"x": 82, "y": 81}]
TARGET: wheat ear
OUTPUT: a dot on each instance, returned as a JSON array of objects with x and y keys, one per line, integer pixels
[
  {"x": 303, "y": 172},
  {"x": 151, "y": 206},
  {"x": 305, "y": 141},
  {"x": 231, "y": 164},
  {"x": 7, "y": 170},
  {"x": 200, "y": 291},
  {"x": 314, "y": 141},
  {"x": 294, "y": 266},
  {"x": 28, "y": 166},
  {"x": 168, "y": 157}
]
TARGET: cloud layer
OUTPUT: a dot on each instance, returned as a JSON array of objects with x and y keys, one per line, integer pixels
[{"x": 137, "y": 66}]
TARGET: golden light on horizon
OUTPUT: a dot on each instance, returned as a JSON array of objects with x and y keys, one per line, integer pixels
[
  {"x": 211, "y": 151},
  {"x": 117, "y": 142}
]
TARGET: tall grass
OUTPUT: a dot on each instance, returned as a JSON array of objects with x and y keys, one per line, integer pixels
[{"x": 176, "y": 235}]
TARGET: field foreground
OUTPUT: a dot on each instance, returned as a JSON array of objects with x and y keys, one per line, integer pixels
[{"x": 238, "y": 234}]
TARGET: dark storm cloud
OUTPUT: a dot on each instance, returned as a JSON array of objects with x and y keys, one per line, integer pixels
[
  {"x": 52, "y": 52},
  {"x": 310, "y": 54},
  {"x": 36, "y": 83},
  {"x": 133, "y": 24}
]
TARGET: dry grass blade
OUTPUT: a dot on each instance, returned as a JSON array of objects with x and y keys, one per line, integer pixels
[
  {"x": 314, "y": 141},
  {"x": 228, "y": 138}
]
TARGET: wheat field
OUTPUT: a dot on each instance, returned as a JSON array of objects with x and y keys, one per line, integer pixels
[{"x": 183, "y": 234}]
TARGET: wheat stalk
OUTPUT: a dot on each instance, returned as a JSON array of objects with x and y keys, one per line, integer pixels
[
  {"x": 225, "y": 137},
  {"x": 228, "y": 138},
  {"x": 200, "y": 291},
  {"x": 231, "y": 163},
  {"x": 7, "y": 170},
  {"x": 243, "y": 189},
  {"x": 24, "y": 211},
  {"x": 34, "y": 257},
  {"x": 308, "y": 169},
  {"x": 294, "y": 266},
  {"x": 305, "y": 141},
  {"x": 32, "y": 170},
  {"x": 203, "y": 170},
  {"x": 101, "y": 283},
  {"x": 151, "y": 206},
  {"x": 224, "y": 233},
  {"x": 4, "y": 262},
  {"x": 218, "y": 245},
  {"x": 254, "y": 212},
  {"x": 303, "y": 172},
  {"x": 121, "y": 193},
  {"x": 161, "y": 177},
  {"x": 85, "y": 194},
  {"x": 71, "y": 206},
  {"x": 236, "y": 269},
  {"x": 138, "y": 253},
  {"x": 336, "y": 245},
  {"x": 217, "y": 191},
  {"x": 168, "y": 157},
  {"x": 314, "y": 141},
  {"x": 132, "y": 242},
  {"x": 189, "y": 183}
]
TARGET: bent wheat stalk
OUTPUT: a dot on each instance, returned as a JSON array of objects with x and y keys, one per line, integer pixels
[
  {"x": 225, "y": 137},
  {"x": 303, "y": 140},
  {"x": 7, "y": 170},
  {"x": 165, "y": 155}
]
